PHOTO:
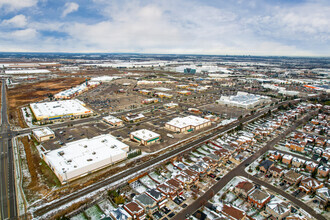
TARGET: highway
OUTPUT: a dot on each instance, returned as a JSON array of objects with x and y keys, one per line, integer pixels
[
  {"x": 239, "y": 171},
  {"x": 41, "y": 210},
  {"x": 7, "y": 180}
]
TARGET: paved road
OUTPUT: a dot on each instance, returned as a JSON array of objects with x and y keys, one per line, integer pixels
[
  {"x": 239, "y": 171},
  {"x": 293, "y": 199},
  {"x": 55, "y": 205},
  {"x": 7, "y": 180}
]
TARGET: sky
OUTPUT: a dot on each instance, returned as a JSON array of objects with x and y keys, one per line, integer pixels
[{"x": 215, "y": 27}]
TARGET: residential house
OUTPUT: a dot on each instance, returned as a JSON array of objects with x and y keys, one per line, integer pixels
[
  {"x": 244, "y": 188},
  {"x": 310, "y": 166},
  {"x": 291, "y": 177},
  {"x": 297, "y": 162},
  {"x": 159, "y": 197},
  {"x": 192, "y": 174},
  {"x": 231, "y": 212},
  {"x": 278, "y": 208},
  {"x": 148, "y": 204},
  {"x": 120, "y": 214},
  {"x": 184, "y": 179},
  {"x": 259, "y": 198},
  {"x": 275, "y": 155},
  {"x": 309, "y": 184},
  {"x": 287, "y": 159},
  {"x": 176, "y": 184},
  {"x": 168, "y": 190},
  {"x": 276, "y": 171},
  {"x": 265, "y": 165},
  {"x": 323, "y": 194},
  {"x": 135, "y": 210},
  {"x": 323, "y": 171}
]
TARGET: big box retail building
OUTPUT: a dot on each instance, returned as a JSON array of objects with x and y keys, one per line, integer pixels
[
  {"x": 59, "y": 110},
  {"x": 78, "y": 158}
]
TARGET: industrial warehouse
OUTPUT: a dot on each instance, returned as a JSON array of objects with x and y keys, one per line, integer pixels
[
  {"x": 81, "y": 157},
  {"x": 243, "y": 100},
  {"x": 56, "y": 111},
  {"x": 187, "y": 124}
]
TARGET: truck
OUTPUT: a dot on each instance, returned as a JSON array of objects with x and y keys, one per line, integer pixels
[{"x": 170, "y": 135}]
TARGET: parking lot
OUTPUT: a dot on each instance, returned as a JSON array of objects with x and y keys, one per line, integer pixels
[{"x": 69, "y": 134}]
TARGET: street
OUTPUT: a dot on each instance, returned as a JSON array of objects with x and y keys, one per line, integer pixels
[{"x": 7, "y": 191}]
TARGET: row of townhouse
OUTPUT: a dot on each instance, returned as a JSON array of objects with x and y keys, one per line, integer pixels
[
  {"x": 310, "y": 166},
  {"x": 155, "y": 198}
]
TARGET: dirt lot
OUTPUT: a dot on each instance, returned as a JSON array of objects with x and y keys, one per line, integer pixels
[
  {"x": 41, "y": 178},
  {"x": 27, "y": 93}
]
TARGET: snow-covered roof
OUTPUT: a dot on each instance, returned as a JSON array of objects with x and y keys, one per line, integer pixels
[
  {"x": 112, "y": 119},
  {"x": 26, "y": 71},
  {"x": 41, "y": 132},
  {"x": 82, "y": 153},
  {"x": 278, "y": 206},
  {"x": 59, "y": 108},
  {"x": 191, "y": 120},
  {"x": 145, "y": 134}
]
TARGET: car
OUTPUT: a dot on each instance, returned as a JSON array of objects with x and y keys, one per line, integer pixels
[
  {"x": 247, "y": 164},
  {"x": 282, "y": 184},
  {"x": 218, "y": 178}
]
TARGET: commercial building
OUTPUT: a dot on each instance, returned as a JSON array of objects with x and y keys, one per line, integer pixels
[
  {"x": 78, "y": 158},
  {"x": 43, "y": 134},
  {"x": 163, "y": 95},
  {"x": 243, "y": 100},
  {"x": 187, "y": 124},
  {"x": 133, "y": 117},
  {"x": 69, "y": 93},
  {"x": 171, "y": 105},
  {"x": 184, "y": 92},
  {"x": 145, "y": 137},
  {"x": 59, "y": 110},
  {"x": 149, "y": 101},
  {"x": 112, "y": 120}
]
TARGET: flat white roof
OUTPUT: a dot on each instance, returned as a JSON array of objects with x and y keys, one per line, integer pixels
[
  {"x": 112, "y": 119},
  {"x": 59, "y": 108},
  {"x": 41, "y": 132},
  {"x": 82, "y": 153},
  {"x": 145, "y": 134},
  {"x": 134, "y": 116},
  {"x": 171, "y": 104},
  {"x": 191, "y": 120},
  {"x": 27, "y": 71},
  {"x": 162, "y": 89}
]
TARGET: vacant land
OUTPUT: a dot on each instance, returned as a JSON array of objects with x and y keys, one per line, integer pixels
[
  {"x": 40, "y": 179},
  {"x": 28, "y": 93}
]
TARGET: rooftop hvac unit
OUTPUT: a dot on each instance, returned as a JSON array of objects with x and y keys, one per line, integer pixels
[
  {"x": 85, "y": 146},
  {"x": 89, "y": 159},
  {"x": 61, "y": 153}
]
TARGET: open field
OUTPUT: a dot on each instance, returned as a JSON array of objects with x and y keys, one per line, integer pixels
[{"x": 27, "y": 93}]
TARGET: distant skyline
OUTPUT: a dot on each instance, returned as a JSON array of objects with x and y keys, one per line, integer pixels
[{"x": 209, "y": 27}]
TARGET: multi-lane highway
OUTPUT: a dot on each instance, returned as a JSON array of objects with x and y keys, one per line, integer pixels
[{"x": 7, "y": 180}]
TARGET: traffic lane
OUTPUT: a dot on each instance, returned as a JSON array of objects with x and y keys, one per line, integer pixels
[
  {"x": 11, "y": 182},
  {"x": 4, "y": 181},
  {"x": 286, "y": 195}
]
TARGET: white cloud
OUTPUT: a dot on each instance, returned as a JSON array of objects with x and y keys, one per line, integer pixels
[
  {"x": 173, "y": 26},
  {"x": 17, "y": 4},
  {"x": 69, "y": 8},
  {"x": 17, "y": 21}
]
